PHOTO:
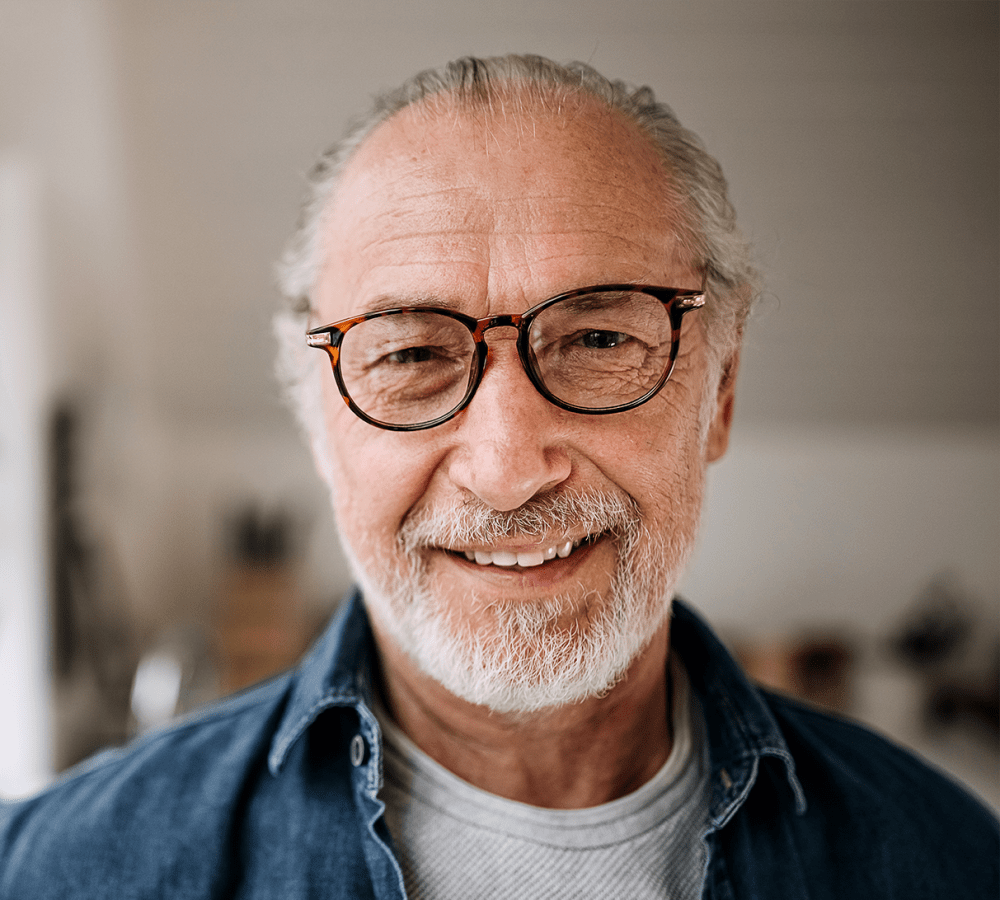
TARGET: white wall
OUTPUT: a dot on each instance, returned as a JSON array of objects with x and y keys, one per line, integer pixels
[
  {"x": 25, "y": 754},
  {"x": 845, "y": 527}
]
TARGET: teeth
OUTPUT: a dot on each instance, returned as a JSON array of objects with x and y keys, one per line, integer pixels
[
  {"x": 526, "y": 559},
  {"x": 532, "y": 558},
  {"x": 502, "y": 558}
]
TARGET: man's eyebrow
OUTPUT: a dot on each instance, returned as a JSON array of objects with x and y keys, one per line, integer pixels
[{"x": 393, "y": 301}]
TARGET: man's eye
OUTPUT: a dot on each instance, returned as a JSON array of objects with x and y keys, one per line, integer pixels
[
  {"x": 603, "y": 340},
  {"x": 411, "y": 355}
]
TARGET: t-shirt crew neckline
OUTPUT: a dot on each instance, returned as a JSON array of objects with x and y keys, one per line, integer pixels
[{"x": 411, "y": 772}]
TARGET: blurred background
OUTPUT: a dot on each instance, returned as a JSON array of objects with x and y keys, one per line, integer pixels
[{"x": 163, "y": 537}]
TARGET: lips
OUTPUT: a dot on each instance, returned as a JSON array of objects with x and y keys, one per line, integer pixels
[{"x": 523, "y": 558}]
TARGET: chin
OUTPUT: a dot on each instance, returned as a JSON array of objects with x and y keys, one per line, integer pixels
[{"x": 525, "y": 657}]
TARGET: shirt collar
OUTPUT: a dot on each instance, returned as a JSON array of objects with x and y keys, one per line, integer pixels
[
  {"x": 335, "y": 673},
  {"x": 741, "y": 729}
]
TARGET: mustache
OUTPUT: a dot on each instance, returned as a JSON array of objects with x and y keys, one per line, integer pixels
[{"x": 560, "y": 512}]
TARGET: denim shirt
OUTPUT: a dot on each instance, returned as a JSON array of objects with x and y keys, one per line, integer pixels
[{"x": 274, "y": 793}]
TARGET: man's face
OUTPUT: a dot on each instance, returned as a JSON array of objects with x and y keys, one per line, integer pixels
[{"x": 490, "y": 214}]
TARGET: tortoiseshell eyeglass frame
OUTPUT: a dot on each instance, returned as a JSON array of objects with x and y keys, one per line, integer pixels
[{"x": 677, "y": 302}]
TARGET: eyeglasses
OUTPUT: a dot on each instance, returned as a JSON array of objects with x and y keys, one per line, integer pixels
[{"x": 595, "y": 350}]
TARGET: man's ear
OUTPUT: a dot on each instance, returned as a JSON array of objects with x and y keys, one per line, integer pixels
[{"x": 722, "y": 419}]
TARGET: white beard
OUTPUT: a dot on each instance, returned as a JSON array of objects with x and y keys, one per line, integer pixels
[{"x": 529, "y": 656}]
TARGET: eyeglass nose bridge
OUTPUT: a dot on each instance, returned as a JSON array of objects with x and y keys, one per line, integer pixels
[
  {"x": 507, "y": 320},
  {"x": 484, "y": 354}
]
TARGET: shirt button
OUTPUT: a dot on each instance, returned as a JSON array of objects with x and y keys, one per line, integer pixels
[{"x": 358, "y": 750}]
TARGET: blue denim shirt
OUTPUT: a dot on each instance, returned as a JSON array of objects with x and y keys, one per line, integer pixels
[{"x": 274, "y": 794}]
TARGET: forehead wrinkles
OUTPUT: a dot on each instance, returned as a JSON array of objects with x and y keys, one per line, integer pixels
[{"x": 434, "y": 173}]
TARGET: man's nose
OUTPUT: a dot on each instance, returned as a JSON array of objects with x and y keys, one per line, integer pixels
[{"x": 509, "y": 436}]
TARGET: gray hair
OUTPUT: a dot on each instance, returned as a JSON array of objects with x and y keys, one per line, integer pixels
[{"x": 697, "y": 183}]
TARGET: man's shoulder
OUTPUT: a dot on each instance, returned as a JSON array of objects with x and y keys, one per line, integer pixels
[
  {"x": 825, "y": 743},
  {"x": 176, "y": 785},
  {"x": 837, "y": 763},
  {"x": 807, "y": 803},
  {"x": 850, "y": 773}
]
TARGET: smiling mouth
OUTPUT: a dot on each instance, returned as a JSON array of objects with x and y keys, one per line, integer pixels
[{"x": 526, "y": 558}]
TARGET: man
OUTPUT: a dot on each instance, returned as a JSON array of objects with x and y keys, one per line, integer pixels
[{"x": 530, "y": 286}]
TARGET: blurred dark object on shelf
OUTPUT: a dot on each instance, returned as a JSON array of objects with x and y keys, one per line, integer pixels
[
  {"x": 935, "y": 628},
  {"x": 260, "y": 538},
  {"x": 93, "y": 647},
  {"x": 952, "y": 645},
  {"x": 817, "y": 668},
  {"x": 262, "y": 625},
  {"x": 976, "y": 702}
]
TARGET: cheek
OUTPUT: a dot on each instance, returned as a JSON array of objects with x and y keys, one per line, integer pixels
[
  {"x": 660, "y": 461},
  {"x": 376, "y": 475},
  {"x": 667, "y": 484}
]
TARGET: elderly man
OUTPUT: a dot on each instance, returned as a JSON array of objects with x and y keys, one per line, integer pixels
[{"x": 530, "y": 286}]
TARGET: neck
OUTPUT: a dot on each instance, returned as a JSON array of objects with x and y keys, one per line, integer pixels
[{"x": 565, "y": 757}]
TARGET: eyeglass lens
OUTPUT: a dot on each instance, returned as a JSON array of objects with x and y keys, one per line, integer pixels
[
  {"x": 595, "y": 351},
  {"x": 408, "y": 368}
]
